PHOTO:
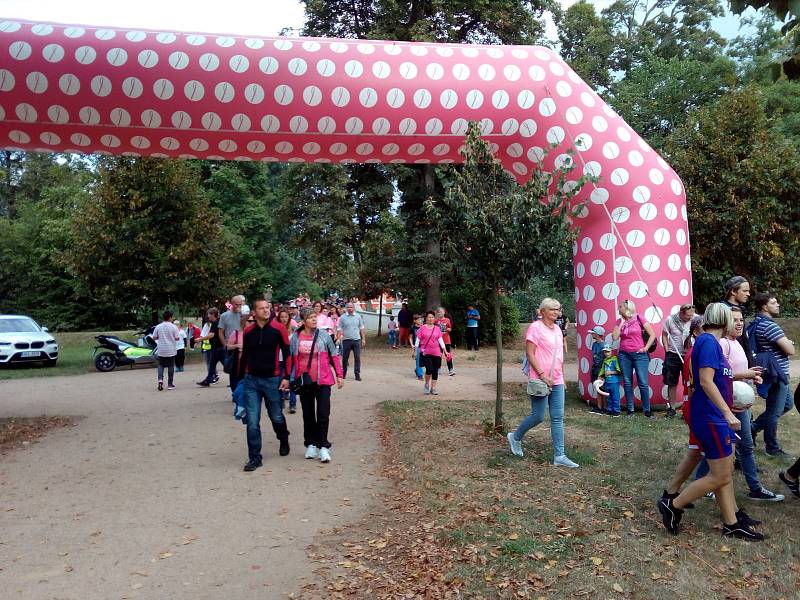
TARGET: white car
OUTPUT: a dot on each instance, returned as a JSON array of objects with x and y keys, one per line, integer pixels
[{"x": 22, "y": 340}]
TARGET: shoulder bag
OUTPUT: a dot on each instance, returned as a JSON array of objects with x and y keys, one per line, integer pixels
[{"x": 299, "y": 384}]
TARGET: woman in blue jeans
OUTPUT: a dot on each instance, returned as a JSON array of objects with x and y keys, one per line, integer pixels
[
  {"x": 544, "y": 346},
  {"x": 630, "y": 330}
]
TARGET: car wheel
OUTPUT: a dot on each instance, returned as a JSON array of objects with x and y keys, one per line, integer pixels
[
  {"x": 105, "y": 361},
  {"x": 51, "y": 362}
]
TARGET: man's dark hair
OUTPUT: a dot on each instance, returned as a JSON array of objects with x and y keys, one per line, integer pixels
[
  {"x": 167, "y": 315},
  {"x": 762, "y": 299}
]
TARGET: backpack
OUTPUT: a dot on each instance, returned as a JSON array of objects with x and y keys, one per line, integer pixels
[{"x": 751, "y": 335}]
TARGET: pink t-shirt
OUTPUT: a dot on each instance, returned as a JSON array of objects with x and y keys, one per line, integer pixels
[
  {"x": 630, "y": 334},
  {"x": 734, "y": 352},
  {"x": 549, "y": 350},
  {"x": 429, "y": 340},
  {"x": 325, "y": 322}
]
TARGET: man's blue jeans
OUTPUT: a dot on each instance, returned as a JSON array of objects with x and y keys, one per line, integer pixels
[
  {"x": 638, "y": 362},
  {"x": 555, "y": 400},
  {"x": 745, "y": 452},
  {"x": 256, "y": 389},
  {"x": 779, "y": 402}
]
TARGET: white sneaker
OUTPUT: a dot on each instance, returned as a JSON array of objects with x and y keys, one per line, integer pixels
[
  {"x": 312, "y": 451},
  {"x": 516, "y": 445},
  {"x": 563, "y": 461},
  {"x": 426, "y": 389},
  {"x": 324, "y": 455},
  {"x": 452, "y": 372}
]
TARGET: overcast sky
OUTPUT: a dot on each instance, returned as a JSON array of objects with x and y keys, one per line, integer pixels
[{"x": 254, "y": 17}]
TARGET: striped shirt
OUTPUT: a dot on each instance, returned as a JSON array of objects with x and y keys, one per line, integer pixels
[{"x": 768, "y": 332}]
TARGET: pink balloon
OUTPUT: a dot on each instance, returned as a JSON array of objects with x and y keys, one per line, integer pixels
[{"x": 66, "y": 88}]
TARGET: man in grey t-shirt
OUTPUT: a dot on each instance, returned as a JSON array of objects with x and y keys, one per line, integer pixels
[
  {"x": 350, "y": 332},
  {"x": 231, "y": 320}
]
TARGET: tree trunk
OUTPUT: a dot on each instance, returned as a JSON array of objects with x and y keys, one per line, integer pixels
[
  {"x": 380, "y": 313},
  {"x": 433, "y": 280},
  {"x": 498, "y": 324}
]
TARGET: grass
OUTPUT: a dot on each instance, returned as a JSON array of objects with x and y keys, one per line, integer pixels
[
  {"x": 482, "y": 523},
  {"x": 75, "y": 356}
]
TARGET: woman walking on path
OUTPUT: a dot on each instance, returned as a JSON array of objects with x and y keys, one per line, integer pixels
[
  {"x": 544, "y": 348},
  {"x": 631, "y": 330},
  {"x": 180, "y": 346},
  {"x": 714, "y": 427},
  {"x": 313, "y": 351},
  {"x": 446, "y": 326},
  {"x": 324, "y": 322},
  {"x": 431, "y": 347}
]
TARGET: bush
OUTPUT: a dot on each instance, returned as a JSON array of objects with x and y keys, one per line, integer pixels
[{"x": 528, "y": 299}]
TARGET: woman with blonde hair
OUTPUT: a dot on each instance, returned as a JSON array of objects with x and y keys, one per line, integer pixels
[
  {"x": 631, "y": 331},
  {"x": 714, "y": 427},
  {"x": 544, "y": 348}
]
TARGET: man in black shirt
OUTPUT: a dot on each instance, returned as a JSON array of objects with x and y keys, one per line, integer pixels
[
  {"x": 737, "y": 293},
  {"x": 261, "y": 377},
  {"x": 405, "y": 320}
]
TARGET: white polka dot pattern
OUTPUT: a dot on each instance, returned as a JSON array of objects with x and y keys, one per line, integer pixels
[{"x": 64, "y": 87}]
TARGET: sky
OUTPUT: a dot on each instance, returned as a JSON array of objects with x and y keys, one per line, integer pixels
[{"x": 254, "y": 17}]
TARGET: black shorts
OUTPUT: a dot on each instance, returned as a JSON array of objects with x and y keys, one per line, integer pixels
[
  {"x": 432, "y": 365},
  {"x": 672, "y": 369}
]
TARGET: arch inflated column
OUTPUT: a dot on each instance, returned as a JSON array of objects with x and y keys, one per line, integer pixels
[{"x": 103, "y": 90}]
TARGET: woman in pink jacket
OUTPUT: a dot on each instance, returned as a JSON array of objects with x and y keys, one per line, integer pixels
[{"x": 313, "y": 351}]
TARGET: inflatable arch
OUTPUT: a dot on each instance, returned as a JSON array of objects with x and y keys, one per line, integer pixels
[{"x": 70, "y": 88}]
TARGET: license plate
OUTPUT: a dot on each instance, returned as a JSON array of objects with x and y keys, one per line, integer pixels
[{"x": 30, "y": 354}]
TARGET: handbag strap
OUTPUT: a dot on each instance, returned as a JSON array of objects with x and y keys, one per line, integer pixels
[
  {"x": 428, "y": 341},
  {"x": 313, "y": 346}
]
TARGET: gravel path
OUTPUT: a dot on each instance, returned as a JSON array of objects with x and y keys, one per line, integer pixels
[{"x": 146, "y": 498}]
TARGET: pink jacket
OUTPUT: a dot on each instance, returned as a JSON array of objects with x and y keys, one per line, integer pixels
[{"x": 327, "y": 360}]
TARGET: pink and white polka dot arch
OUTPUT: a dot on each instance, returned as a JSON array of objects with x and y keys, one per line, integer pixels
[{"x": 71, "y": 88}]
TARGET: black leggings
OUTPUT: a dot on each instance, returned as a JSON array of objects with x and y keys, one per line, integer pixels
[
  {"x": 450, "y": 361},
  {"x": 316, "y": 403},
  {"x": 432, "y": 365}
]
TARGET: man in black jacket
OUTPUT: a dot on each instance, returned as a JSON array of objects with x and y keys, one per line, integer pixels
[
  {"x": 737, "y": 293},
  {"x": 262, "y": 378}
]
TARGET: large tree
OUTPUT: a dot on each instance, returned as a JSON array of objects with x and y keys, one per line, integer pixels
[
  {"x": 788, "y": 11},
  {"x": 147, "y": 237},
  {"x": 741, "y": 177},
  {"x": 505, "y": 232},
  {"x": 454, "y": 21}
]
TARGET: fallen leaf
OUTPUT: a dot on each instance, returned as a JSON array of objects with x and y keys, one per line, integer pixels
[
  {"x": 724, "y": 549},
  {"x": 165, "y": 555},
  {"x": 617, "y": 588},
  {"x": 628, "y": 514},
  {"x": 514, "y": 536},
  {"x": 597, "y": 560}
]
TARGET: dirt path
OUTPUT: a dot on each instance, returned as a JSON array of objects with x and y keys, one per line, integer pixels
[{"x": 145, "y": 496}]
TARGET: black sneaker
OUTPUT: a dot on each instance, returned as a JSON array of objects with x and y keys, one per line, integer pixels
[
  {"x": 614, "y": 414},
  {"x": 671, "y": 413},
  {"x": 284, "y": 450},
  {"x": 664, "y": 494},
  {"x": 160, "y": 386},
  {"x": 292, "y": 411},
  {"x": 358, "y": 377},
  {"x": 215, "y": 381},
  {"x": 742, "y": 531},
  {"x": 766, "y": 495},
  {"x": 779, "y": 453},
  {"x": 794, "y": 486},
  {"x": 630, "y": 413},
  {"x": 746, "y": 519},
  {"x": 649, "y": 415},
  {"x": 595, "y": 411},
  {"x": 670, "y": 516},
  {"x": 252, "y": 465},
  {"x": 753, "y": 433},
  {"x": 203, "y": 383}
]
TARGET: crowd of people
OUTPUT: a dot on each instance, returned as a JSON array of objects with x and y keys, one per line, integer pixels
[{"x": 274, "y": 353}]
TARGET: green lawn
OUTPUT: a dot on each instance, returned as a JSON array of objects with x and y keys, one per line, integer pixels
[{"x": 75, "y": 356}]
